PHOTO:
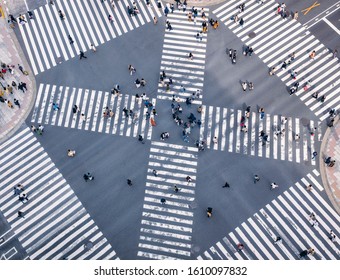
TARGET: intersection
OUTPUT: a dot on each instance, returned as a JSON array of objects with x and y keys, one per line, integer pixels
[{"x": 68, "y": 218}]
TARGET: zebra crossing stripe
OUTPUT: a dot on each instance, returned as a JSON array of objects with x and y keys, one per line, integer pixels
[
  {"x": 275, "y": 40},
  {"x": 282, "y": 143},
  {"x": 56, "y": 223},
  {"x": 92, "y": 106},
  {"x": 287, "y": 217},
  {"x": 85, "y": 21},
  {"x": 162, "y": 223}
]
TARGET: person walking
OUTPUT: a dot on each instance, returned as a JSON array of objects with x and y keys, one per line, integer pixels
[
  {"x": 154, "y": 172},
  {"x": 188, "y": 178},
  {"x": 226, "y": 185},
  {"x": 314, "y": 154},
  {"x": 93, "y": 48},
  {"x": 296, "y": 15},
  {"x": 16, "y": 102},
  {"x": 55, "y": 107},
  {"x": 163, "y": 200},
  {"x": 70, "y": 39},
  {"x": 110, "y": 19},
  {"x": 87, "y": 176},
  {"x": 240, "y": 247},
  {"x": 155, "y": 20},
  {"x": 209, "y": 212},
  {"x": 176, "y": 189},
  {"x": 129, "y": 182},
  {"x": 273, "y": 186},
  {"x": 312, "y": 54},
  {"x": 82, "y": 55},
  {"x": 256, "y": 178},
  {"x": 278, "y": 239},
  {"x": 21, "y": 214}
]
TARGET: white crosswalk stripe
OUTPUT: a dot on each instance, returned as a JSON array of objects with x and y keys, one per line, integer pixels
[
  {"x": 288, "y": 216},
  {"x": 93, "y": 105},
  {"x": 87, "y": 22},
  {"x": 282, "y": 143},
  {"x": 167, "y": 228},
  {"x": 274, "y": 39},
  {"x": 55, "y": 223},
  {"x": 183, "y": 71}
]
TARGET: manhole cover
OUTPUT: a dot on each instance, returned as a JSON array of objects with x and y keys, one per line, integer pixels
[{"x": 252, "y": 34}]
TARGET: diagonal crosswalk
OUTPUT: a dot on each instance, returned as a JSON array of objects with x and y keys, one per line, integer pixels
[
  {"x": 87, "y": 22},
  {"x": 55, "y": 223},
  {"x": 92, "y": 115},
  {"x": 282, "y": 142},
  {"x": 184, "y": 71},
  {"x": 166, "y": 229},
  {"x": 274, "y": 39},
  {"x": 287, "y": 216}
]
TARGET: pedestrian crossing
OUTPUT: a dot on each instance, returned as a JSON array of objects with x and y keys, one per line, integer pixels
[
  {"x": 93, "y": 107},
  {"x": 274, "y": 39},
  {"x": 287, "y": 216},
  {"x": 186, "y": 74},
  {"x": 166, "y": 231},
  {"x": 55, "y": 223},
  {"x": 292, "y": 139},
  {"x": 87, "y": 22}
]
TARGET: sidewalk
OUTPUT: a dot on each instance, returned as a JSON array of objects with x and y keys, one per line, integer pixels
[
  {"x": 330, "y": 147},
  {"x": 12, "y": 54}
]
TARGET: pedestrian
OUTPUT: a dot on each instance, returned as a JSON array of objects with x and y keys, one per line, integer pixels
[
  {"x": 169, "y": 27},
  {"x": 188, "y": 178},
  {"x": 226, "y": 185},
  {"x": 33, "y": 128},
  {"x": 70, "y": 39},
  {"x": 323, "y": 98},
  {"x": 16, "y": 102},
  {"x": 244, "y": 86},
  {"x": 110, "y": 19},
  {"x": 332, "y": 236},
  {"x": 261, "y": 111},
  {"x": 304, "y": 253},
  {"x": 93, "y": 48},
  {"x": 21, "y": 214},
  {"x": 176, "y": 189},
  {"x": 241, "y": 22},
  {"x": 215, "y": 140},
  {"x": 129, "y": 182},
  {"x": 131, "y": 69},
  {"x": 309, "y": 188},
  {"x": 23, "y": 197},
  {"x": 154, "y": 172},
  {"x": 155, "y": 20},
  {"x": 166, "y": 10},
  {"x": 209, "y": 212},
  {"x": 71, "y": 153},
  {"x": 278, "y": 239},
  {"x": 331, "y": 123},
  {"x": 82, "y": 55},
  {"x": 40, "y": 129},
  {"x": 191, "y": 57},
  {"x": 256, "y": 178},
  {"x": 311, "y": 251},
  {"x": 55, "y": 107},
  {"x": 163, "y": 200},
  {"x": 273, "y": 186},
  {"x": 335, "y": 53},
  {"x": 331, "y": 164},
  {"x": 314, "y": 154},
  {"x": 296, "y": 15},
  {"x": 87, "y": 176},
  {"x": 312, "y": 54},
  {"x": 240, "y": 247}
]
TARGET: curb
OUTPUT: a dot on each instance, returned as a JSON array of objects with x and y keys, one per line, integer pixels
[
  {"x": 323, "y": 167},
  {"x": 5, "y": 135}
]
